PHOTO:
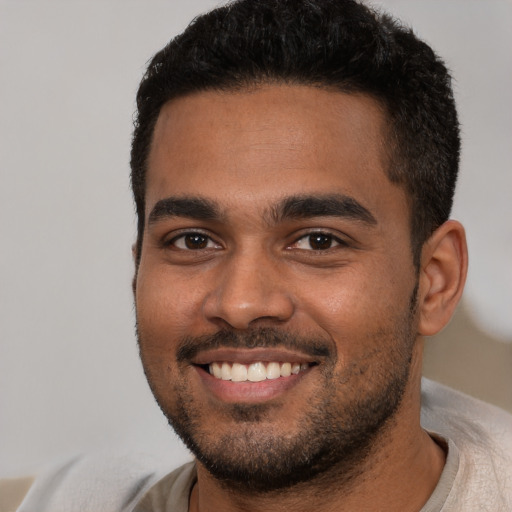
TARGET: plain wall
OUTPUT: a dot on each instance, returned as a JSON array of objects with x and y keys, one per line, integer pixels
[{"x": 70, "y": 378}]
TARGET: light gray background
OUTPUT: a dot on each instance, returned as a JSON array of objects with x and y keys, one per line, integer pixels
[{"x": 70, "y": 379}]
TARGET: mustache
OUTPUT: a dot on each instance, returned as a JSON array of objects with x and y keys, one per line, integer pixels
[{"x": 265, "y": 337}]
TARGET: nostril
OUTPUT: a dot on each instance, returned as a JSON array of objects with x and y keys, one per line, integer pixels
[{"x": 266, "y": 319}]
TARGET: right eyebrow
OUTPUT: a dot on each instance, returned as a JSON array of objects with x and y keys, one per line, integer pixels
[
  {"x": 330, "y": 205},
  {"x": 190, "y": 207}
]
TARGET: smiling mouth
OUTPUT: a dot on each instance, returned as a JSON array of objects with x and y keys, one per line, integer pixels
[{"x": 254, "y": 372}]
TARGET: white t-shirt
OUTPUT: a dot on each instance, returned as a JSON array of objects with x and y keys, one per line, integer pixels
[{"x": 477, "y": 476}]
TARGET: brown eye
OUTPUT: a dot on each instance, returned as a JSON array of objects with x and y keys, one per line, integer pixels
[
  {"x": 193, "y": 242},
  {"x": 320, "y": 241}
]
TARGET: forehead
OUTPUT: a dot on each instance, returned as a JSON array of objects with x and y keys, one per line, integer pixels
[{"x": 261, "y": 144}]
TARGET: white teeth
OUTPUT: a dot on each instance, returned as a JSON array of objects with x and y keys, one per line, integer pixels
[
  {"x": 286, "y": 369},
  {"x": 238, "y": 372},
  {"x": 255, "y": 372},
  {"x": 216, "y": 370},
  {"x": 273, "y": 371},
  {"x": 226, "y": 371}
]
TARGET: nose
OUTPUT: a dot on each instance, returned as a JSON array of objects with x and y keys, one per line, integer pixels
[{"x": 249, "y": 290}]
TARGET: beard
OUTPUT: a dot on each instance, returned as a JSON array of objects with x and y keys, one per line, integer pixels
[{"x": 352, "y": 405}]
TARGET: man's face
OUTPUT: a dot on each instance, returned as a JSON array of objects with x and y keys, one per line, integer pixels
[{"x": 275, "y": 293}]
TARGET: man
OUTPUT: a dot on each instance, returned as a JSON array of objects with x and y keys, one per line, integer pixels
[{"x": 293, "y": 167}]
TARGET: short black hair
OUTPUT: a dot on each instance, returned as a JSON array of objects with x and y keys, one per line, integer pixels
[{"x": 341, "y": 45}]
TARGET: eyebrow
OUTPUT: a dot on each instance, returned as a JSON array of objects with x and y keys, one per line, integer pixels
[
  {"x": 191, "y": 207},
  {"x": 332, "y": 205},
  {"x": 294, "y": 207}
]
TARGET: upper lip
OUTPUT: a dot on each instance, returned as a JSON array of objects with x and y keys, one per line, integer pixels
[{"x": 253, "y": 355}]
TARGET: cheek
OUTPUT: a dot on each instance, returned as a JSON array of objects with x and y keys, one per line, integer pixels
[
  {"x": 166, "y": 305},
  {"x": 352, "y": 305},
  {"x": 160, "y": 322}
]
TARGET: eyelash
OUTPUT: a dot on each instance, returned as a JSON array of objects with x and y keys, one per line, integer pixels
[
  {"x": 329, "y": 239},
  {"x": 197, "y": 234}
]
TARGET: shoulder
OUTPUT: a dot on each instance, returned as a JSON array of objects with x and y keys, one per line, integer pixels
[
  {"x": 455, "y": 413},
  {"x": 172, "y": 492},
  {"x": 106, "y": 482},
  {"x": 482, "y": 436},
  {"x": 12, "y": 492}
]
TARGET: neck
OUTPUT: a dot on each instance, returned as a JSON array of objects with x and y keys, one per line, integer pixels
[{"x": 399, "y": 473}]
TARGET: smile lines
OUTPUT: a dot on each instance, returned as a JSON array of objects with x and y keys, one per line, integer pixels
[{"x": 255, "y": 372}]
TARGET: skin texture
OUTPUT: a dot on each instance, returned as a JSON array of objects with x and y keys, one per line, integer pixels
[{"x": 233, "y": 261}]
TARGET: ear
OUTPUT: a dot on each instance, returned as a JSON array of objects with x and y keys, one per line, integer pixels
[
  {"x": 444, "y": 264},
  {"x": 134, "y": 279}
]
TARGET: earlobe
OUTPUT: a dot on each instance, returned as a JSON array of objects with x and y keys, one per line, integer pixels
[{"x": 443, "y": 272}]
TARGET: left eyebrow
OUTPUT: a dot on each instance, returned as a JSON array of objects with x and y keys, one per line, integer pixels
[
  {"x": 190, "y": 207},
  {"x": 332, "y": 205}
]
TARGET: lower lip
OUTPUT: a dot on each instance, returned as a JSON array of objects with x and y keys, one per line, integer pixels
[{"x": 229, "y": 391}]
